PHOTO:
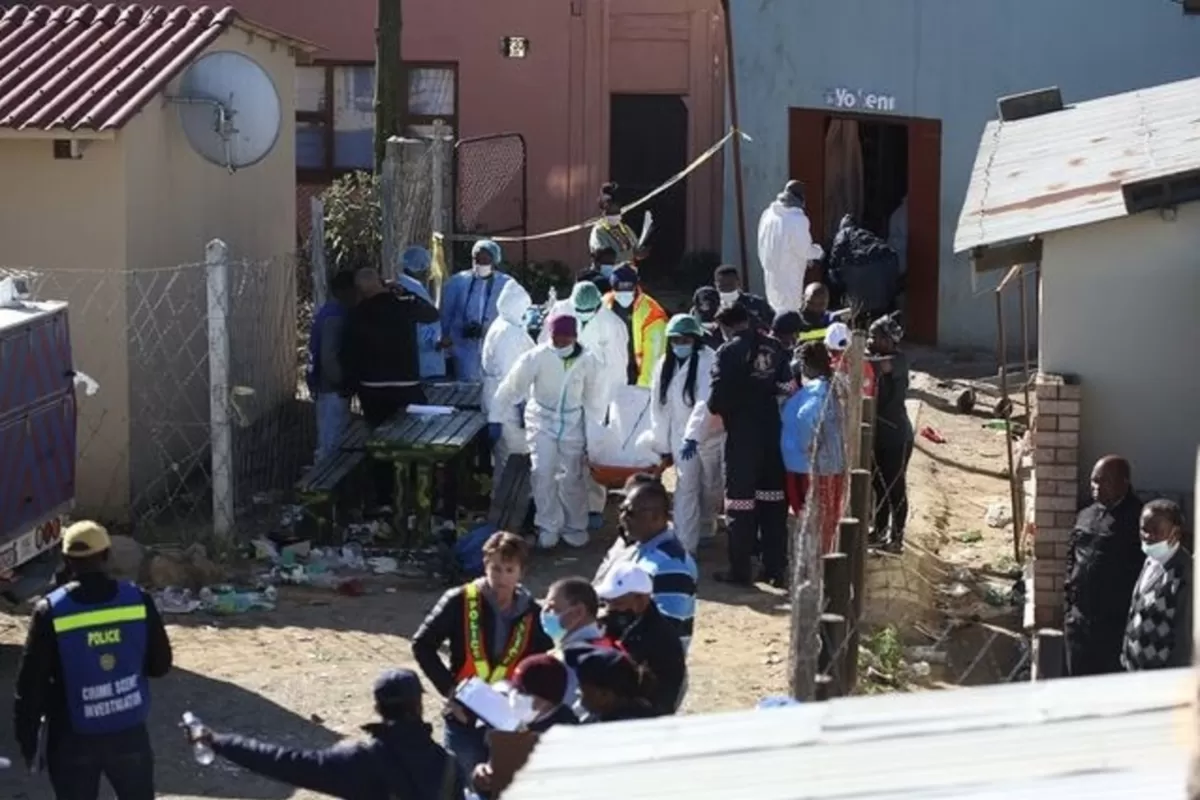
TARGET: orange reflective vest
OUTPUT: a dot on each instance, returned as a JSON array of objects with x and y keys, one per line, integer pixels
[
  {"x": 476, "y": 663},
  {"x": 649, "y": 333}
]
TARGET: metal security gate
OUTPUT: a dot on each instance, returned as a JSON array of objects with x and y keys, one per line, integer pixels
[{"x": 491, "y": 187}]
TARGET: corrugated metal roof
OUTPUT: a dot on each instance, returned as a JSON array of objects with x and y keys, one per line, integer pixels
[
  {"x": 1016, "y": 741},
  {"x": 93, "y": 67},
  {"x": 1066, "y": 168}
]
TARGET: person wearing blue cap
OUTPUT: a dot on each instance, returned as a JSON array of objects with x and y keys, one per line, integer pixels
[
  {"x": 398, "y": 759},
  {"x": 416, "y": 261},
  {"x": 645, "y": 320},
  {"x": 681, "y": 427},
  {"x": 469, "y": 307}
]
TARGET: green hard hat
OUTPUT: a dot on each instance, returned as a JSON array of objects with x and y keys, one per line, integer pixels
[{"x": 684, "y": 325}]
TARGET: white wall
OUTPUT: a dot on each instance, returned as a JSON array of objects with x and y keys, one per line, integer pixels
[{"x": 1119, "y": 308}]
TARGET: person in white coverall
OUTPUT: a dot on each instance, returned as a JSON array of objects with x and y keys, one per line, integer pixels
[
  {"x": 785, "y": 246},
  {"x": 681, "y": 426},
  {"x": 604, "y": 334},
  {"x": 506, "y": 341},
  {"x": 566, "y": 398}
]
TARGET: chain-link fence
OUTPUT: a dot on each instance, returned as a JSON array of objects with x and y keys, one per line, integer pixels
[
  {"x": 151, "y": 443},
  {"x": 492, "y": 184},
  {"x": 875, "y": 610}
]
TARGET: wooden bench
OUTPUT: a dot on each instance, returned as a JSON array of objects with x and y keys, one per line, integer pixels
[
  {"x": 510, "y": 499},
  {"x": 464, "y": 395},
  {"x": 322, "y": 488},
  {"x": 421, "y": 446}
]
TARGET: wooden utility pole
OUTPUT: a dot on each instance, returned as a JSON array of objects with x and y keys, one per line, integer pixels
[
  {"x": 391, "y": 96},
  {"x": 739, "y": 188}
]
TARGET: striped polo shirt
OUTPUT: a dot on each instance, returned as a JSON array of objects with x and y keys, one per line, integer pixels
[{"x": 675, "y": 575}]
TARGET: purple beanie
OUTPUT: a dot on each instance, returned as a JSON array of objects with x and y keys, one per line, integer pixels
[{"x": 563, "y": 325}]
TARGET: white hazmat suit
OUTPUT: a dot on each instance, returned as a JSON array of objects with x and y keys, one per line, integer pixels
[
  {"x": 506, "y": 341},
  {"x": 700, "y": 480},
  {"x": 785, "y": 246},
  {"x": 607, "y": 337},
  {"x": 565, "y": 397}
]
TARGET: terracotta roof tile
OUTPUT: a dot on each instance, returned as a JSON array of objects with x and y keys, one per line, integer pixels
[{"x": 92, "y": 67}]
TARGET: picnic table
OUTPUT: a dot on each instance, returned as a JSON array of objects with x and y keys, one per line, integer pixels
[{"x": 467, "y": 395}]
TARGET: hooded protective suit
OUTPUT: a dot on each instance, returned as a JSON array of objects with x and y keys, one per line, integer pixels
[
  {"x": 506, "y": 341},
  {"x": 785, "y": 246},
  {"x": 699, "y": 481},
  {"x": 468, "y": 309},
  {"x": 607, "y": 337},
  {"x": 565, "y": 397}
]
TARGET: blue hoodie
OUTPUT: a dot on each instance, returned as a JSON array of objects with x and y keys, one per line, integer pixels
[{"x": 801, "y": 414}]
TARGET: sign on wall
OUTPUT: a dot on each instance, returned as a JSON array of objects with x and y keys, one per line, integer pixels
[{"x": 847, "y": 99}]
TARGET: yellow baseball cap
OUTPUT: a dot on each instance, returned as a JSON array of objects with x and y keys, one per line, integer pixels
[{"x": 85, "y": 538}]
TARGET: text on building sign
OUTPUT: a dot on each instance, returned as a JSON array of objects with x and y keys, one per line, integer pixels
[{"x": 859, "y": 100}]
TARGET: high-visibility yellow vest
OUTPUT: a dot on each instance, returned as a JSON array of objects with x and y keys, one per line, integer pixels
[
  {"x": 476, "y": 663},
  {"x": 649, "y": 333}
]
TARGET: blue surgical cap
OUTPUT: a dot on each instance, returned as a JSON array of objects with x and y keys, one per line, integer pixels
[
  {"x": 416, "y": 260},
  {"x": 490, "y": 246}
]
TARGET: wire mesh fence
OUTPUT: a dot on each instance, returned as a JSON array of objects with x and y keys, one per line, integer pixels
[
  {"x": 147, "y": 451},
  {"x": 491, "y": 193},
  {"x": 876, "y": 615}
]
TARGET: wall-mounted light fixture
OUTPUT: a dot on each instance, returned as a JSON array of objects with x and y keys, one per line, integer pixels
[{"x": 514, "y": 47}]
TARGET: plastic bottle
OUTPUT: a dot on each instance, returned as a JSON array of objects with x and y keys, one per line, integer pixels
[{"x": 201, "y": 751}]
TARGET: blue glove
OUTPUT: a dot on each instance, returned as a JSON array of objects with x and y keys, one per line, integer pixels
[
  {"x": 689, "y": 450},
  {"x": 495, "y": 429}
]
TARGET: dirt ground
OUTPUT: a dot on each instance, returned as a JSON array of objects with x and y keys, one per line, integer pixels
[{"x": 302, "y": 673}]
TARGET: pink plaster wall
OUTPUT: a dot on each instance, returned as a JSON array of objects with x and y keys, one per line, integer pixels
[{"x": 580, "y": 52}]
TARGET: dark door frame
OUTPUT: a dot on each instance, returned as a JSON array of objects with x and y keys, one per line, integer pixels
[{"x": 806, "y": 162}]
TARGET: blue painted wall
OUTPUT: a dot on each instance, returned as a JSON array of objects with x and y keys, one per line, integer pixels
[{"x": 940, "y": 59}]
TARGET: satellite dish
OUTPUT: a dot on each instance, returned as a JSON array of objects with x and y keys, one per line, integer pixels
[{"x": 229, "y": 109}]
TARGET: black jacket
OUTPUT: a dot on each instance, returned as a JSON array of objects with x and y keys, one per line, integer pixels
[
  {"x": 39, "y": 689},
  {"x": 399, "y": 761},
  {"x": 444, "y": 623},
  {"x": 379, "y": 339},
  {"x": 1104, "y": 559},
  {"x": 892, "y": 426},
  {"x": 635, "y": 709},
  {"x": 562, "y": 715},
  {"x": 751, "y": 372},
  {"x": 653, "y": 642}
]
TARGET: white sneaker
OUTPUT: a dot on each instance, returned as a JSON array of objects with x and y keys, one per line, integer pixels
[
  {"x": 575, "y": 538},
  {"x": 547, "y": 540}
]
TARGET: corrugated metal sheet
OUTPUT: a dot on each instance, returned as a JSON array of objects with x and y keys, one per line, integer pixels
[
  {"x": 93, "y": 67},
  {"x": 1066, "y": 168},
  {"x": 1017, "y": 741}
]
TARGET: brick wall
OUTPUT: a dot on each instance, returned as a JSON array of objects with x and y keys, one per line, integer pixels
[{"x": 1055, "y": 493}]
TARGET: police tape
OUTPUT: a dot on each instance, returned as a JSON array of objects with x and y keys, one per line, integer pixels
[{"x": 641, "y": 201}]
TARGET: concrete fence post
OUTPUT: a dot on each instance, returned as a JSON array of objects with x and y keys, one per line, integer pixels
[{"x": 216, "y": 259}]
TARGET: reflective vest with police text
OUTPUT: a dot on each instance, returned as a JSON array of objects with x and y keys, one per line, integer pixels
[
  {"x": 102, "y": 647},
  {"x": 477, "y": 663}
]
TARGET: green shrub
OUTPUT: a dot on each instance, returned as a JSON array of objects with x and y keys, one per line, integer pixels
[
  {"x": 539, "y": 277},
  {"x": 353, "y": 222}
]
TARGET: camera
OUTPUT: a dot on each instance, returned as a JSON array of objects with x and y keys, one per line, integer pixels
[{"x": 473, "y": 330}]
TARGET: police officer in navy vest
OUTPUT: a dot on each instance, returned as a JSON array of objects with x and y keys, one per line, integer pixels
[{"x": 92, "y": 645}]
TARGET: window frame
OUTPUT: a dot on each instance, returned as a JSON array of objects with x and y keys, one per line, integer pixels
[{"x": 329, "y": 172}]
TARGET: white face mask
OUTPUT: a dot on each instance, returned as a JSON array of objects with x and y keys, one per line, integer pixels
[
  {"x": 624, "y": 299},
  {"x": 584, "y": 317},
  {"x": 564, "y": 352},
  {"x": 729, "y": 298},
  {"x": 483, "y": 270},
  {"x": 612, "y": 219},
  {"x": 1162, "y": 552}
]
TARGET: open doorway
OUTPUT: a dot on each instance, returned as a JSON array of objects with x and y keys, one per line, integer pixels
[{"x": 884, "y": 171}]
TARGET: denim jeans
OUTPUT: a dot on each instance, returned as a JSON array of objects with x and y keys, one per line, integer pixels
[
  {"x": 333, "y": 415},
  {"x": 75, "y": 764},
  {"x": 468, "y": 745}
]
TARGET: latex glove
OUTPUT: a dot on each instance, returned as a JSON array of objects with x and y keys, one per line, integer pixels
[
  {"x": 495, "y": 430},
  {"x": 690, "y": 446}
]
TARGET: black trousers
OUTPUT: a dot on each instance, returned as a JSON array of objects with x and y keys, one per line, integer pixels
[
  {"x": 891, "y": 488},
  {"x": 75, "y": 764},
  {"x": 754, "y": 500},
  {"x": 379, "y": 404}
]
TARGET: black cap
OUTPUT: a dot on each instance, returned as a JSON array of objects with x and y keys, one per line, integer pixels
[
  {"x": 787, "y": 323},
  {"x": 610, "y": 669},
  {"x": 397, "y": 686}
]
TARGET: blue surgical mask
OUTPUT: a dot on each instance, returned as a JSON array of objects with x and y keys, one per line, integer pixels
[
  {"x": 624, "y": 299},
  {"x": 1162, "y": 552},
  {"x": 682, "y": 351},
  {"x": 608, "y": 269},
  {"x": 553, "y": 626},
  {"x": 564, "y": 352}
]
